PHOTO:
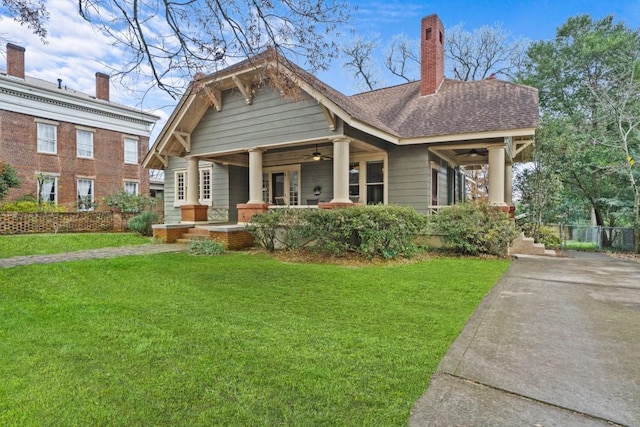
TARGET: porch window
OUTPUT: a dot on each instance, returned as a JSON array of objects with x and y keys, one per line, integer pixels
[
  {"x": 367, "y": 180},
  {"x": 434, "y": 187},
  {"x": 375, "y": 182},
  {"x": 181, "y": 187},
  {"x": 354, "y": 181},
  {"x": 205, "y": 186},
  {"x": 281, "y": 185}
]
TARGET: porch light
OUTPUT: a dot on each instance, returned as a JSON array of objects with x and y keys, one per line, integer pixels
[{"x": 317, "y": 156}]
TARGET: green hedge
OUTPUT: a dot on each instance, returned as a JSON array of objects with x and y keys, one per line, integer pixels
[
  {"x": 385, "y": 231},
  {"x": 474, "y": 229}
]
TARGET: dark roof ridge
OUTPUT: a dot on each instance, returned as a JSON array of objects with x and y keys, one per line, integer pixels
[{"x": 384, "y": 88}]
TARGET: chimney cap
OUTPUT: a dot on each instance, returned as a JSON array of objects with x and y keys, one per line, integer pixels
[{"x": 15, "y": 47}]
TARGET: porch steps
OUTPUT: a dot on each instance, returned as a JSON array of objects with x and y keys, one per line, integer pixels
[
  {"x": 194, "y": 233},
  {"x": 526, "y": 246}
]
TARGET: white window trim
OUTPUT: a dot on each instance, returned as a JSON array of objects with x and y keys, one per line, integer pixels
[
  {"x": 442, "y": 172},
  {"x": 287, "y": 184},
  {"x": 93, "y": 192},
  {"x": 202, "y": 200},
  {"x": 132, "y": 181},
  {"x": 179, "y": 202},
  {"x": 124, "y": 148},
  {"x": 92, "y": 142},
  {"x": 362, "y": 160},
  {"x": 55, "y": 177},
  {"x": 55, "y": 136}
]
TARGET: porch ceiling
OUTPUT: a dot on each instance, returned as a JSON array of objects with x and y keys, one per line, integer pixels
[
  {"x": 475, "y": 153},
  {"x": 293, "y": 153}
]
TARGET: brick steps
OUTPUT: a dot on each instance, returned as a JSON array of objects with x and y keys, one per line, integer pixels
[{"x": 194, "y": 233}]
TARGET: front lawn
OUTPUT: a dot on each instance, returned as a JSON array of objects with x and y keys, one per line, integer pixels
[
  {"x": 44, "y": 244},
  {"x": 238, "y": 339}
]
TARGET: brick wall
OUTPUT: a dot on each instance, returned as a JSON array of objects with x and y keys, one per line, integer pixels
[{"x": 18, "y": 147}]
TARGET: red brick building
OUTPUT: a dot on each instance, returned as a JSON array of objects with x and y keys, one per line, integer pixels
[{"x": 68, "y": 147}]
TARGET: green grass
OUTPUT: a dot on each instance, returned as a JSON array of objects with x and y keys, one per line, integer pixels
[
  {"x": 44, "y": 244},
  {"x": 580, "y": 246},
  {"x": 233, "y": 340}
]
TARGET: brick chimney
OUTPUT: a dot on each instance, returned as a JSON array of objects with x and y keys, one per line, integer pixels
[
  {"x": 431, "y": 54},
  {"x": 102, "y": 86},
  {"x": 15, "y": 60}
]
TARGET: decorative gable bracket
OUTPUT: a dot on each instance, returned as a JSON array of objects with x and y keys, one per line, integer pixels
[
  {"x": 163, "y": 159},
  {"x": 184, "y": 139},
  {"x": 215, "y": 97},
  {"x": 245, "y": 89},
  {"x": 329, "y": 116}
]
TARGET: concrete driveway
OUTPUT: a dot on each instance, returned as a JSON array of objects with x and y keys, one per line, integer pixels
[{"x": 555, "y": 343}]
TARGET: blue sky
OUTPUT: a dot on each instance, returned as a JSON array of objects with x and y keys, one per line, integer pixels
[{"x": 75, "y": 51}]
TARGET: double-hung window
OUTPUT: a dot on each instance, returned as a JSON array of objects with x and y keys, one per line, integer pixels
[
  {"x": 47, "y": 138},
  {"x": 205, "y": 186},
  {"x": 367, "y": 180},
  {"x": 85, "y": 194},
  {"x": 131, "y": 151},
  {"x": 131, "y": 187},
  {"x": 47, "y": 189},
  {"x": 181, "y": 187},
  {"x": 84, "y": 143}
]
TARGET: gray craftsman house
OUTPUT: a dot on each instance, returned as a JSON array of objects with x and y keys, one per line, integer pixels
[{"x": 235, "y": 145}]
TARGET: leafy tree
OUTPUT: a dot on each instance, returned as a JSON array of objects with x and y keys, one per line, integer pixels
[
  {"x": 578, "y": 74},
  {"x": 173, "y": 41},
  {"x": 8, "y": 179}
]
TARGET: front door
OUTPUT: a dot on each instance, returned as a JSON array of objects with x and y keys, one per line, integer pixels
[{"x": 277, "y": 189}]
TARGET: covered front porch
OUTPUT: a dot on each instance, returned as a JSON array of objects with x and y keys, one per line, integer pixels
[{"x": 318, "y": 173}]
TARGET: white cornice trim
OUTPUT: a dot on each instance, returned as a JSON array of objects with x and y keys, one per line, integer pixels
[{"x": 18, "y": 97}]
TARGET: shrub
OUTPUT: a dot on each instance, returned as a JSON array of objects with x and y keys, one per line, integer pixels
[
  {"x": 386, "y": 231},
  {"x": 205, "y": 247},
  {"x": 549, "y": 237},
  {"x": 128, "y": 203},
  {"x": 8, "y": 178},
  {"x": 142, "y": 223},
  {"x": 30, "y": 206},
  {"x": 473, "y": 229}
]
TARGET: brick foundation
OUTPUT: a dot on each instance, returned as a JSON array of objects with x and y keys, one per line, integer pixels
[
  {"x": 193, "y": 213},
  {"x": 246, "y": 211}
]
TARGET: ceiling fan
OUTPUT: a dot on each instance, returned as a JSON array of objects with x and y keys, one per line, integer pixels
[
  {"x": 317, "y": 155},
  {"x": 474, "y": 153}
]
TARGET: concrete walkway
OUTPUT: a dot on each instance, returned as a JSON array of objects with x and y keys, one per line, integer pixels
[
  {"x": 555, "y": 343},
  {"x": 91, "y": 254}
]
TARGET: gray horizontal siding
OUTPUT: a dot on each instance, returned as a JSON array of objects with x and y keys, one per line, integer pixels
[
  {"x": 313, "y": 174},
  {"x": 268, "y": 120},
  {"x": 172, "y": 213},
  {"x": 238, "y": 189},
  {"x": 409, "y": 177}
]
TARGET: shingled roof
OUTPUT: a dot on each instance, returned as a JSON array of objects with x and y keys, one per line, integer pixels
[{"x": 456, "y": 108}]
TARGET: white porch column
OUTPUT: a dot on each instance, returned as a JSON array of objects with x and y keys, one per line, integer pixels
[
  {"x": 255, "y": 176},
  {"x": 496, "y": 175},
  {"x": 193, "y": 177},
  {"x": 508, "y": 184},
  {"x": 341, "y": 171}
]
